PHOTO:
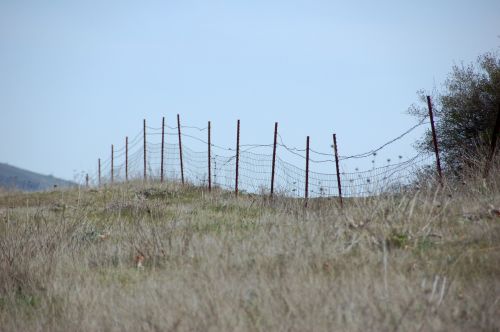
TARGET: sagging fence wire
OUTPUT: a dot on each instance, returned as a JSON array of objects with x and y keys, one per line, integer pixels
[{"x": 255, "y": 168}]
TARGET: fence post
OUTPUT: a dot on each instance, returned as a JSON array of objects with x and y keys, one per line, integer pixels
[
  {"x": 99, "y": 170},
  {"x": 112, "y": 162},
  {"x": 339, "y": 185},
  {"x": 144, "y": 134},
  {"x": 306, "y": 194},
  {"x": 126, "y": 158},
  {"x": 209, "y": 159},
  {"x": 237, "y": 157},
  {"x": 274, "y": 157},
  {"x": 162, "y": 147},
  {"x": 180, "y": 147},
  {"x": 494, "y": 138},
  {"x": 434, "y": 140},
  {"x": 87, "y": 180}
]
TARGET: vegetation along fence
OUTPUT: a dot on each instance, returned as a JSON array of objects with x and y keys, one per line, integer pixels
[{"x": 166, "y": 153}]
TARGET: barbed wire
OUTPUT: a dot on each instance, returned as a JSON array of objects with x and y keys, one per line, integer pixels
[
  {"x": 374, "y": 151},
  {"x": 194, "y": 127}
]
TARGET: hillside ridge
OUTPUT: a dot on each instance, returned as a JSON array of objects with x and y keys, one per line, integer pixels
[{"x": 15, "y": 178}]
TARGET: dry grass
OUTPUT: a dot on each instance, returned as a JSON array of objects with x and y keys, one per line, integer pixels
[{"x": 422, "y": 261}]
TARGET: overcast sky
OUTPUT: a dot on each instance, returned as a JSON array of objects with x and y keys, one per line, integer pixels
[{"x": 77, "y": 76}]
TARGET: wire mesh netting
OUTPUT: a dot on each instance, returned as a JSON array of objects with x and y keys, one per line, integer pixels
[{"x": 157, "y": 150}]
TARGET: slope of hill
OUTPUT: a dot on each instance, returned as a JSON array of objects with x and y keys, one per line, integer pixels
[
  {"x": 165, "y": 256},
  {"x": 12, "y": 177}
]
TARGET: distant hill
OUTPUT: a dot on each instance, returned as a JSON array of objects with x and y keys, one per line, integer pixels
[{"x": 16, "y": 178}]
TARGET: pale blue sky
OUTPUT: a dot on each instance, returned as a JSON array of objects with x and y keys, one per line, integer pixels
[{"x": 76, "y": 76}]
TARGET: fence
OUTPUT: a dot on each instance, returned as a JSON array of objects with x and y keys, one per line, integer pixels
[{"x": 164, "y": 153}]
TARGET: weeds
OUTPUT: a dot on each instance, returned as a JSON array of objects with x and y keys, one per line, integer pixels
[{"x": 167, "y": 257}]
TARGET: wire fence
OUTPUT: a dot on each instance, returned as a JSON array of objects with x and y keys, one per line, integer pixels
[{"x": 157, "y": 149}]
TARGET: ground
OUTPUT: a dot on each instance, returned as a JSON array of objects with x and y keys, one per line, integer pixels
[{"x": 421, "y": 260}]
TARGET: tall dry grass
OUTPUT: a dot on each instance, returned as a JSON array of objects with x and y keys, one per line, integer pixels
[{"x": 422, "y": 260}]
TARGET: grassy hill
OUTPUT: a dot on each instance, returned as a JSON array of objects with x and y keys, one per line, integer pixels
[
  {"x": 420, "y": 261},
  {"x": 14, "y": 178}
]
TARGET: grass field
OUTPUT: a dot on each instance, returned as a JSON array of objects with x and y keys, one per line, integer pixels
[{"x": 427, "y": 260}]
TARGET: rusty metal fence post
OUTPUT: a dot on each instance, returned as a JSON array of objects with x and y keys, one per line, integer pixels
[
  {"x": 144, "y": 132},
  {"x": 274, "y": 158},
  {"x": 180, "y": 147},
  {"x": 306, "y": 194},
  {"x": 112, "y": 163},
  {"x": 209, "y": 159},
  {"x": 434, "y": 140},
  {"x": 339, "y": 185},
  {"x": 162, "y": 147},
  {"x": 493, "y": 145},
  {"x": 126, "y": 158},
  {"x": 99, "y": 171},
  {"x": 237, "y": 157}
]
